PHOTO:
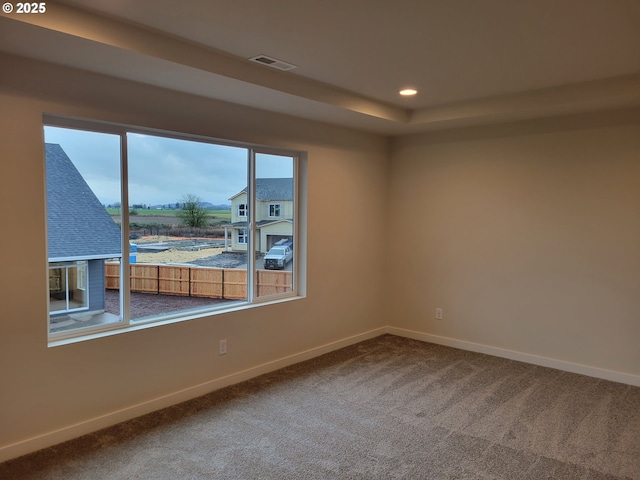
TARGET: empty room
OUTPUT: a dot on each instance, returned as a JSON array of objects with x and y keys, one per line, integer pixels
[{"x": 320, "y": 240}]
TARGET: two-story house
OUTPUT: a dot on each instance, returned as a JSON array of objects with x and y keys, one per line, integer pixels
[{"x": 274, "y": 214}]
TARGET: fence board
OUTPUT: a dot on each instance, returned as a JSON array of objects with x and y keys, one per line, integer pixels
[
  {"x": 235, "y": 284},
  {"x": 173, "y": 280},
  {"x": 271, "y": 282},
  {"x": 197, "y": 281},
  {"x": 144, "y": 278},
  {"x": 112, "y": 276},
  {"x": 206, "y": 282}
]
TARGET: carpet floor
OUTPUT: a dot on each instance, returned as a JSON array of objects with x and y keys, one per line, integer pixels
[{"x": 386, "y": 408}]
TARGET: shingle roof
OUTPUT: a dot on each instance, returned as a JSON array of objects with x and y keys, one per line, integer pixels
[
  {"x": 78, "y": 225},
  {"x": 272, "y": 189}
]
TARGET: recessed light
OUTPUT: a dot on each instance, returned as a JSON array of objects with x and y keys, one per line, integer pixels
[{"x": 407, "y": 92}]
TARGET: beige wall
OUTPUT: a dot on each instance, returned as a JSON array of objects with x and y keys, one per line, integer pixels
[
  {"x": 528, "y": 236},
  {"x": 44, "y": 389}
]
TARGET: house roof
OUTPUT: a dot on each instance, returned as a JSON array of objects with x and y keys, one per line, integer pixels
[
  {"x": 78, "y": 225},
  {"x": 271, "y": 189},
  {"x": 261, "y": 223}
]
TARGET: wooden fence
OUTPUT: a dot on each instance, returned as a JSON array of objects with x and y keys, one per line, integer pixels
[{"x": 229, "y": 283}]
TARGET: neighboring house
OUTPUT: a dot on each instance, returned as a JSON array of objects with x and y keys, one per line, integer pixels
[
  {"x": 81, "y": 235},
  {"x": 274, "y": 214}
]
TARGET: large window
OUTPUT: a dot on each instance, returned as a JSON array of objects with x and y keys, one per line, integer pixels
[{"x": 144, "y": 226}]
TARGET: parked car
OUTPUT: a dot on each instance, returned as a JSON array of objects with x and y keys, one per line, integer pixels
[{"x": 278, "y": 256}]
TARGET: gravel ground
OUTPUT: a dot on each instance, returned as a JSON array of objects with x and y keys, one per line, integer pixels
[
  {"x": 147, "y": 304},
  {"x": 223, "y": 260}
]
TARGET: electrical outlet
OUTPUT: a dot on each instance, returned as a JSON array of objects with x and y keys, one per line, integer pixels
[
  {"x": 223, "y": 347},
  {"x": 438, "y": 314}
]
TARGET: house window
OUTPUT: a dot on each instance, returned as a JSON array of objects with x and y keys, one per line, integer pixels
[
  {"x": 274, "y": 209},
  {"x": 82, "y": 279},
  {"x": 67, "y": 287},
  {"x": 242, "y": 210},
  {"x": 114, "y": 189}
]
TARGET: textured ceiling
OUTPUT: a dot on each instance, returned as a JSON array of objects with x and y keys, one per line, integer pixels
[{"x": 473, "y": 62}]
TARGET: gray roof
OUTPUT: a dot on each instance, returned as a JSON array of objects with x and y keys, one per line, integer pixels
[
  {"x": 78, "y": 226},
  {"x": 272, "y": 189}
]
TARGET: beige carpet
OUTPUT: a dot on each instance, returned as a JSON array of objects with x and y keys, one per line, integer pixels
[{"x": 383, "y": 409}]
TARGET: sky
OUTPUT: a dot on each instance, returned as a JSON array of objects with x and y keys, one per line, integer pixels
[{"x": 163, "y": 170}]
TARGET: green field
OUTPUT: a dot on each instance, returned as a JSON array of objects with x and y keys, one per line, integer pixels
[{"x": 219, "y": 215}]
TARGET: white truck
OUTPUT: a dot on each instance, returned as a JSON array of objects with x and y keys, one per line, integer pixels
[{"x": 278, "y": 256}]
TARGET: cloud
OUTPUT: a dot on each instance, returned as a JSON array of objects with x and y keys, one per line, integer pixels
[{"x": 161, "y": 169}]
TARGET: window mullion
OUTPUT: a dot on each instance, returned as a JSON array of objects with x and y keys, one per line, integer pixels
[
  {"x": 251, "y": 218},
  {"x": 66, "y": 286},
  {"x": 125, "y": 280},
  {"x": 296, "y": 226}
]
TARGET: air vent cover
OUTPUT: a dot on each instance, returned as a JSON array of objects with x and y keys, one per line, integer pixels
[{"x": 273, "y": 62}]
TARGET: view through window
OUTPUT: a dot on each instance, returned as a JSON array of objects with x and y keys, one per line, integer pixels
[{"x": 144, "y": 227}]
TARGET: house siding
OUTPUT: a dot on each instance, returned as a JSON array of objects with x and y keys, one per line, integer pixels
[
  {"x": 280, "y": 228},
  {"x": 96, "y": 285},
  {"x": 240, "y": 199}
]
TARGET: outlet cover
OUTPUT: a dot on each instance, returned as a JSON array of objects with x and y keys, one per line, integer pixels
[
  {"x": 438, "y": 314},
  {"x": 223, "y": 347}
]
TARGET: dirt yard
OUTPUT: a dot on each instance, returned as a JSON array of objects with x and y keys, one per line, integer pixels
[
  {"x": 174, "y": 255},
  {"x": 177, "y": 256},
  {"x": 191, "y": 250}
]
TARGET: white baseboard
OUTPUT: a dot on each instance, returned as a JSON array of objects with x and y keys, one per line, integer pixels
[
  {"x": 519, "y": 356},
  {"x": 69, "y": 432}
]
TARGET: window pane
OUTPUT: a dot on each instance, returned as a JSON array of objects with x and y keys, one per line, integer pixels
[
  {"x": 57, "y": 289},
  {"x": 83, "y": 178},
  {"x": 274, "y": 233},
  {"x": 77, "y": 286},
  {"x": 186, "y": 225}
]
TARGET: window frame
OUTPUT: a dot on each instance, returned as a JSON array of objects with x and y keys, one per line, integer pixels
[
  {"x": 80, "y": 266},
  {"x": 253, "y": 300},
  {"x": 274, "y": 206},
  {"x": 242, "y": 210}
]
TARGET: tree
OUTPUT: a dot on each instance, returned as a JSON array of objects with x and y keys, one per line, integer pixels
[{"x": 192, "y": 213}]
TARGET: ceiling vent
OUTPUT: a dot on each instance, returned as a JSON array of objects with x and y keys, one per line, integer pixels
[{"x": 273, "y": 63}]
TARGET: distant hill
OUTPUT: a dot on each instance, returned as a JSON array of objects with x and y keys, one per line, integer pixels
[{"x": 211, "y": 206}]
